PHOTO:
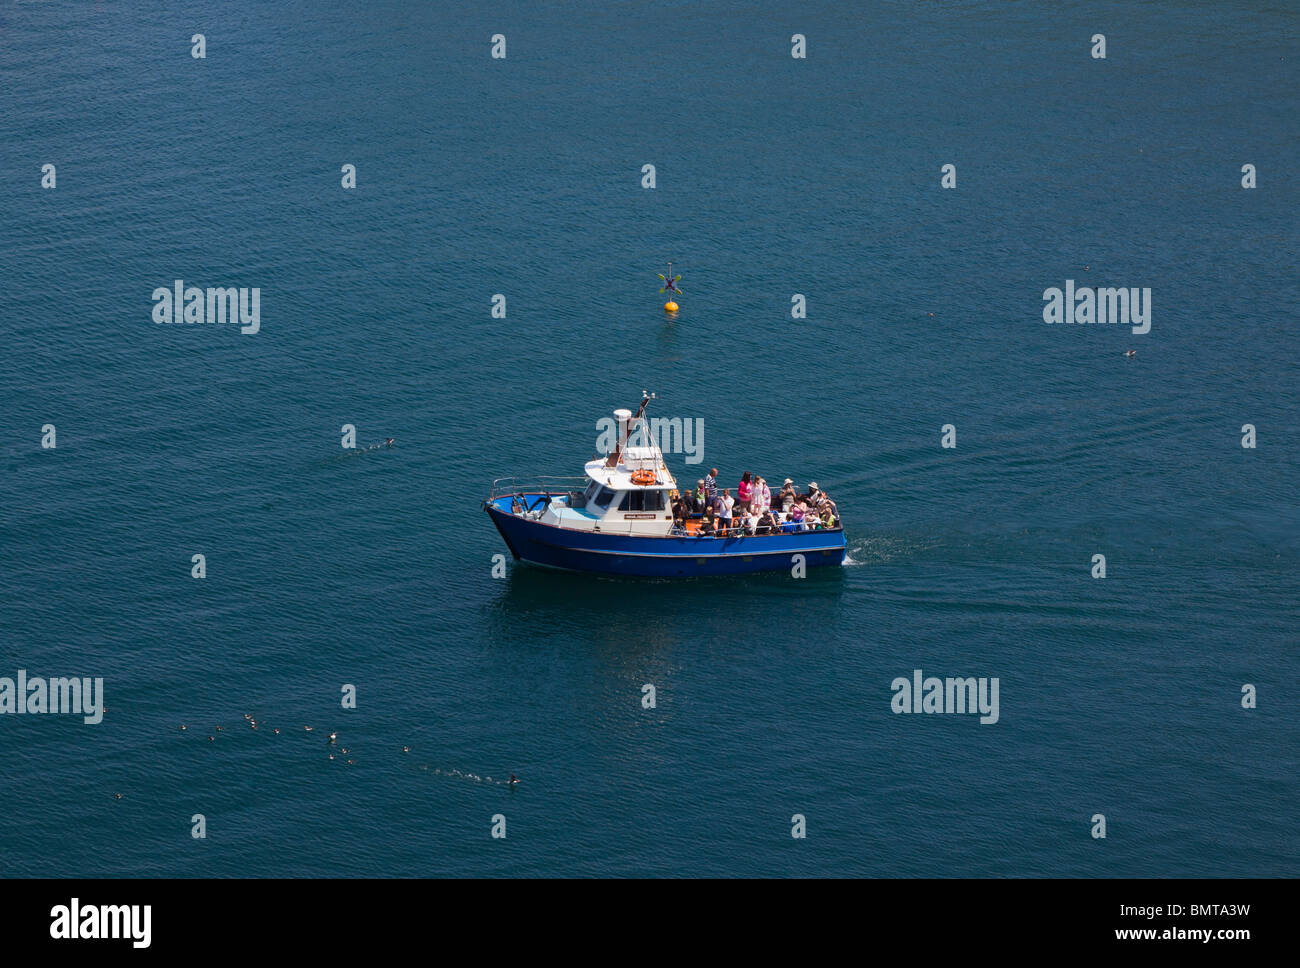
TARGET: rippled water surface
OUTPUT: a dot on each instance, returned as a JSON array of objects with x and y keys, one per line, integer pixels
[{"x": 522, "y": 177}]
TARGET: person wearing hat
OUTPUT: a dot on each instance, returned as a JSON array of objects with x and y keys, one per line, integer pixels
[
  {"x": 787, "y": 495},
  {"x": 706, "y": 526}
]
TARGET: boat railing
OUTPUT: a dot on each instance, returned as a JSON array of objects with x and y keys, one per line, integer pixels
[{"x": 508, "y": 486}]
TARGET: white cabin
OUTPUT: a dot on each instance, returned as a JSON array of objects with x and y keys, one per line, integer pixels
[{"x": 628, "y": 492}]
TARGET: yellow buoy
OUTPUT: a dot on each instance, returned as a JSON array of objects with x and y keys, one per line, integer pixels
[{"x": 670, "y": 306}]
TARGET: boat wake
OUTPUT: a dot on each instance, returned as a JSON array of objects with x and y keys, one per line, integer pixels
[
  {"x": 388, "y": 444},
  {"x": 461, "y": 775},
  {"x": 882, "y": 548}
]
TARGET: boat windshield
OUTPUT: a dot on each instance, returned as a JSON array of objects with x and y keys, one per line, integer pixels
[{"x": 643, "y": 501}]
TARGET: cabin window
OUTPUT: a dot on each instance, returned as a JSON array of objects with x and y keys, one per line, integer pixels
[
  {"x": 592, "y": 489},
  {"x": 604, "y": 497},
  {"x": 646, "y": 501}
]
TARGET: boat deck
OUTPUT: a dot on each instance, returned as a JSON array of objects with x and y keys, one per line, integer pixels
[
  {"x": 737, "y": 531},
  {"x": 534, "y": 502}
]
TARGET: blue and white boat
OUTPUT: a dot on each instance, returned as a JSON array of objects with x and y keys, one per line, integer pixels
[{"x": 617, "y": 519}]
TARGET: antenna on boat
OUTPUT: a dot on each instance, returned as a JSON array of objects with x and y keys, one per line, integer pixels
[
  {"x": 626, "y": 431},
  {"x": 638, "y": 423},
  {"x": 640, "y": 414}
]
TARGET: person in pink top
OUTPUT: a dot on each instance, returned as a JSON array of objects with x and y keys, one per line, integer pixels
[{"x": 745, "y": 489}]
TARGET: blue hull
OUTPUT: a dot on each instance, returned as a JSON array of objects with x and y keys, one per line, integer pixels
[{"x": 670, "y": 557}]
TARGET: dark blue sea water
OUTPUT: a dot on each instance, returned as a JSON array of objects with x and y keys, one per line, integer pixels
[{"x": 775, "y": 176}]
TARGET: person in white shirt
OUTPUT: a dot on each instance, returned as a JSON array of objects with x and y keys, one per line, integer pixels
[{"x": 724, "y": 504}]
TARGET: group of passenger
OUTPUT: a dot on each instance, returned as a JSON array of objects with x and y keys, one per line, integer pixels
[{"x": 754, "y": 509}]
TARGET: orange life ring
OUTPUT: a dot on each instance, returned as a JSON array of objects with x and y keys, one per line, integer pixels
[{"x": 644, "y": 478}]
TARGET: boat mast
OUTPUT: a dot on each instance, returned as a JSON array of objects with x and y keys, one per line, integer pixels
[{"x": 613, "y": 459}]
